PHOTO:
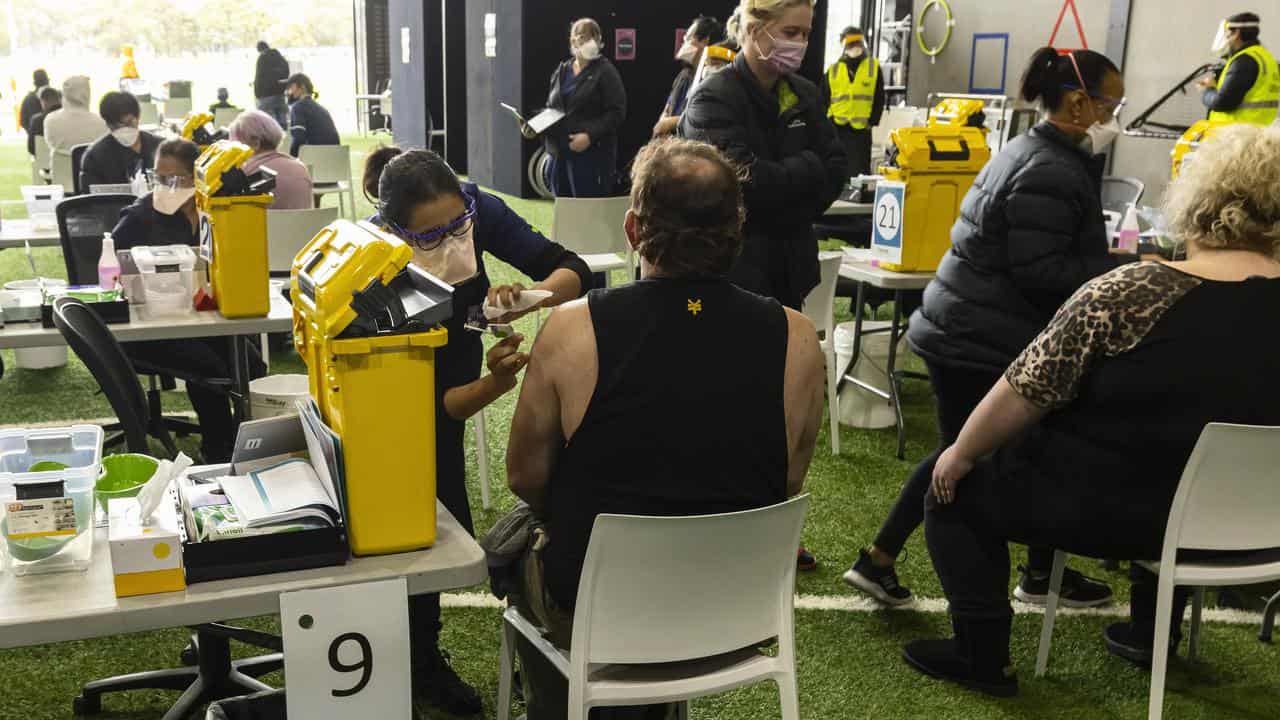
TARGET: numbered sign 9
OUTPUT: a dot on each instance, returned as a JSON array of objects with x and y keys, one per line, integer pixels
[
  {"x": 346, "y": 651},
  {"x": 886, "y": 221}
]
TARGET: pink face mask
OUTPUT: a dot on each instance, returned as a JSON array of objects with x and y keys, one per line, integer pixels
[{"x": 787, "y": 55}]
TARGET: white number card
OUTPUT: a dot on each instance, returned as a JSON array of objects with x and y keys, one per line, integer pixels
[
  {"x": 346, "y": 651},
  {"x": 886, "y": 235}
]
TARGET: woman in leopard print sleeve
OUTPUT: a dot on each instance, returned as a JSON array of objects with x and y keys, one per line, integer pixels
[{"x": 1081, "y": 444}]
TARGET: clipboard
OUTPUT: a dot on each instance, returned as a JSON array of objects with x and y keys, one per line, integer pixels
[{"x": 540, "y": 122}]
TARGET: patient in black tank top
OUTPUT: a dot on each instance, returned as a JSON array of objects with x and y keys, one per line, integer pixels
[{"x": 676, "y": 425}]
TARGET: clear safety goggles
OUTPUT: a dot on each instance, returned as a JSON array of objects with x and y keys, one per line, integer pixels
[
  {"x": 1108, "y": 105},
  {"x": 456, "y": 229},
  {"x": 170, "y": 182}
]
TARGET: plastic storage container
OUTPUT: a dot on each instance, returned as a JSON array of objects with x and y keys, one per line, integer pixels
[
  {"x": 276, "y": 395},
  {"x": 22, "y": 302},
  {"x": 63, "y": 497},
  {"x": 167, "y": 273},
  {"x": 363, "y": 323},
  {"x": 42, "y": 200},
  {"x": 233, "y": 229}
]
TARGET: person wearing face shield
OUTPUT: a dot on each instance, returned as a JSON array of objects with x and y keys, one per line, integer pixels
[
  {"x": 1030, "y": 233},
  {"x": 854, "y": 95},
  {"x": 714, "y": 59},
  {"x": 167, "y": 216},
  {"x": 1248, "y": 87},
  {"x": 704, "y": 31},
  {"x": 588, "y": 90},
  {"x": 125, "y": 151},
  {"x": 451, "y": 225}
]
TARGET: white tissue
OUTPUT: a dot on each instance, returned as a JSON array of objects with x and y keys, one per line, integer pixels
[
  {"x": 528, "y": 299},
  {"x": 154, "y": 492}
]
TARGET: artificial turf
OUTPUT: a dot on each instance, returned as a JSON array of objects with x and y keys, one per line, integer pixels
[{"x": 849, "y": 662}]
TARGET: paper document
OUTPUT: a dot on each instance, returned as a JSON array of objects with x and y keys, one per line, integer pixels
[
  {"x": 539, "y": 122},
  {"x": 285, "y": 493}
]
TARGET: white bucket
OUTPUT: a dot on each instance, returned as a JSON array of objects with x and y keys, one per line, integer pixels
[
  {"x": 275, "y": 395},
  {"x": 38, "y": 358},
  {"x": 859, "y": 407}
]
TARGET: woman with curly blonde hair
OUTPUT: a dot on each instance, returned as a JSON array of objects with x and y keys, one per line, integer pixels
[{"x": 1081, "y": 444}]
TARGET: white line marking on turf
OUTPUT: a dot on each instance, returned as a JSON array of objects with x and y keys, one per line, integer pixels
[{"x": 850, "y": 603}]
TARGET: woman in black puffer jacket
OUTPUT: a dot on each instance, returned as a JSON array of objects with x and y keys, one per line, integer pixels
[{"x": 1030, "y": 233}]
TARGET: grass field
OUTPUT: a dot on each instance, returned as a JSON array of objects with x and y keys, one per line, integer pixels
[{"x": 849, "y": 658}]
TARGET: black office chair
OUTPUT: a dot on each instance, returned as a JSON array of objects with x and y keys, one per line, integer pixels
[
  {"x": 82, "y": 220},
  {"x": 77, "y": 156},
  {"x": 209, "y": 653},
  {"x": 90, "y": 339}
]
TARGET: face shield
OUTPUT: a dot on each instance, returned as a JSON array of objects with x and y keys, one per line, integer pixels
[
  {"x": 1222, "y": 41},
  {"x": 855, "y": 45},
  {"x": 714, "y": 59}
]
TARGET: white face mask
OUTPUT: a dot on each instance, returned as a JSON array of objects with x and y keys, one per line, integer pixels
[
  {"x": 126, "y": 136},
  {"x": 589, "y": 50},
  {"x": 688, "y": 53},
  {"x": 453, "y": 260},
  {"x": 855, "y": 51},
  {"x": 168, "y": 201},
  {"x": 1099, "y": 136}
]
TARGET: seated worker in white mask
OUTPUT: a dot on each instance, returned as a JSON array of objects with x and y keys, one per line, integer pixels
[
  {"x": 451, "y": 225},
  {"x": 166, "y": 215}
]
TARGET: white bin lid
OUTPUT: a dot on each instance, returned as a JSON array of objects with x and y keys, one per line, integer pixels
[{"x": 164, "y": 258}]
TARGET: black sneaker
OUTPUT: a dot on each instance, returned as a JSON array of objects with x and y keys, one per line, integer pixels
[
  {"x": 1123, "y": 642},
  {"x": 880, "y": 583},
  {"x": 1078, "y": 591},
  {"x": 438, "y": 684},
  {"x": 942, "y": 659}
]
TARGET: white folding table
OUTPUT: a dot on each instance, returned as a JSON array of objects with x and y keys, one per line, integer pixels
[
  {"x": 19, "y": 232},
  {"x": 866, "y": 274}
]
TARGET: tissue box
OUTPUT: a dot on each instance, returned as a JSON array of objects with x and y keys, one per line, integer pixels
[{"x": 148, "y": 559}]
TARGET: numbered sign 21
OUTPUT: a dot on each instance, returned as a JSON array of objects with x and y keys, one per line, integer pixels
[
  {"x": 346, "y": 651},
  {"x": 886, "y": 221}
]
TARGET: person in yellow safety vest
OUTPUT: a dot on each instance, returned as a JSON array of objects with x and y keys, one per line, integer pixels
[
  {"x": 1248, "y": 88},
  {"x": 854, "y": 95}
]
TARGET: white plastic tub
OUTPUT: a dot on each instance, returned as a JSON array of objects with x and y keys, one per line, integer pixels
[
  {"x": 858, "y": 407},
  {"x": 42, "y": 199},
  {"x": 79, "y": 448},
  {"x": 37, "y": 358},
  {"x": 276, "y": 395}
]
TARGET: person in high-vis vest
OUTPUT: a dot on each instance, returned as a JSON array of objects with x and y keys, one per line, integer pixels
[
  {"x": 854, "y": 95},
  {"x": 1248, "y": 88}
]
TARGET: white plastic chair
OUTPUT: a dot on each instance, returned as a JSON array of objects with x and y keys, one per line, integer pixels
[
  {"x": 148, "y": 115},
  {"x": 699, "y": 593},
  {"x": 43, "y": 162},
  {"x": 330, "y": 172},
  {"x": 1226, "y": 501},
  {"x": 482, "y": 457},
  {"x": 61, "y": 173},
  {"x": 288, "y": 231},
  {"x": 819, "y": 307},
  {"x": 592, "y": 228},
  {"x": 223, "y": 117}
]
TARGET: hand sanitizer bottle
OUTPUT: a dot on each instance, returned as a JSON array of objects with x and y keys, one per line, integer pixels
[{"x": 108, "y": 265}]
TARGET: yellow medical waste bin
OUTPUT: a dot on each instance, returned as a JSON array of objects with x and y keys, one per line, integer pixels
[
  {"x": 938, "y": 165},
  {"x": 1186, "y": 147},
  {"x": 366, "y": 324},
  {"x": 233, "y": 228}
]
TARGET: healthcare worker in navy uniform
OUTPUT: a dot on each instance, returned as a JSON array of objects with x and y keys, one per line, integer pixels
[
  {"x": 451, "y": 225},
  {"x": 584, "y": 144}
]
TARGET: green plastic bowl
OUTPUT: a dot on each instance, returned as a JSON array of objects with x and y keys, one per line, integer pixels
[
  {"x": 47, "y": 466},
  {"x": 123, "y": 476},
  {"x": 36, "y": 549}
]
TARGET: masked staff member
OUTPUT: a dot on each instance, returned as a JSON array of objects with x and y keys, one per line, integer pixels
[
  {"x": 588, "y": 89},
  {"x": 714, "y": 59},
  {"x": 451, "y": 225},
  {"x": 1248, "y": 89},
  {"x": 704, "y": 31},
  {"x": 854, "y": 95}
]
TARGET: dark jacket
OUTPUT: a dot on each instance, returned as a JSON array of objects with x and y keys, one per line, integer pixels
[
  {"x": 310, "y": 124},
  {"x": 140, "y": 224},
  {"x": 597, "y": 106},
  {"x": 108, "y": 162},
  {"x": 1030, "y": 233},
  {"x": 851, "y": 66},
  {"x": 796, "y": 168},
  {"x": 1237, "y": 83},
  {"x": 269, "y": 73},
  {"x": 30, "y": 107},
  {"x": 37, "y": 128}
]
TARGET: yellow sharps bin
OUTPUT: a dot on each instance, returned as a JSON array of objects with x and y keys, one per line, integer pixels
[
  {"x": 937, "y": 164},
  {"x": 366, "y": 322},
  {"x": 233, "y": 228}
]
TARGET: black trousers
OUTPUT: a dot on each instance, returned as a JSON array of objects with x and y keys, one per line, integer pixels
[
  {"x": 957, "y": 391},
  {"x": 857, "y": 147},
  {"x": 456, "y": 364},
  {"x": 206, "y": 358},
  {"x": 588, "y": 174}
]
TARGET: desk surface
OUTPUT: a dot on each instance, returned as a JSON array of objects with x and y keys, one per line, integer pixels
[
  {"x": 42, "y": 609},
  {"x": 864, "y": 271},
  {"x": 202, "y": 324},
  {"x": 844, "y": 207},
  {"x": 15, "y": 232}
]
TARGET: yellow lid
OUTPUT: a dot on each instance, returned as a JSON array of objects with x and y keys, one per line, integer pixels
[
  {"x": 341, "y": 260},
  {"x": 955, "y": 111},
  {"x": 195, "y": 121},
  {"x": 217, "y": 159}
]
